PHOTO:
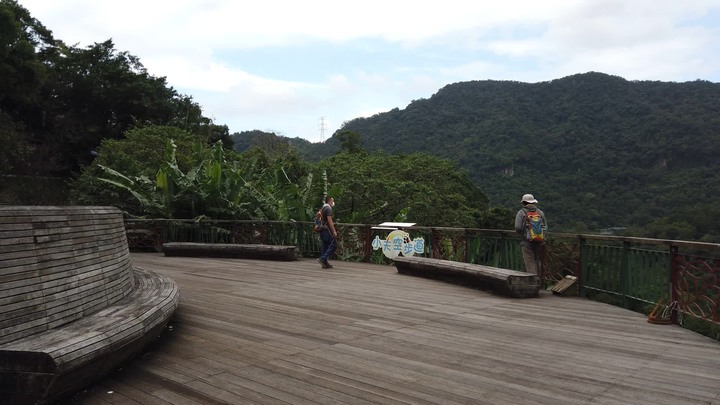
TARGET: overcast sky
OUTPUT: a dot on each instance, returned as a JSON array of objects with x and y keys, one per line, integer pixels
[{"x": 283, "y": 65}]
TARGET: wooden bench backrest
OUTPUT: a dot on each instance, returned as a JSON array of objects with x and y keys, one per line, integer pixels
[{"x": 58, "y": 264}]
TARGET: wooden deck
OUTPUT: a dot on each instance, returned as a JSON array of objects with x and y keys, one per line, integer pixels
[{"x": 291, "y": 333}]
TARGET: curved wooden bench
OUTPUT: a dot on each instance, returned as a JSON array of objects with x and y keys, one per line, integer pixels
[
  {"x": 509, "y": 282},
  {"x": 72, "y": 307},
  {"x": 229, "y": 250}
]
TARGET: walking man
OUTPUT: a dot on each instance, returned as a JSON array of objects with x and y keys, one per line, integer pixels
[{"x": 328, "y": 233}]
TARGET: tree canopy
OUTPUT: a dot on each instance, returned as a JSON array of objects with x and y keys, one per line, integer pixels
[
  {"x": 58, "y": 102},
  {"x": 378, "y": 187},
  {"x": 164, "y": 172},
  {"x": 598, "y": 151}
]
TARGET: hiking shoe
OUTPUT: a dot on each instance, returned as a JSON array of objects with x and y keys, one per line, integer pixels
[
  {"x": 327, "y": 265},
  {"x": 323, "y": 264}
]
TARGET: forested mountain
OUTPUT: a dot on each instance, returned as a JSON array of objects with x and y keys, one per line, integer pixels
[{"x": 598, "y": 151}]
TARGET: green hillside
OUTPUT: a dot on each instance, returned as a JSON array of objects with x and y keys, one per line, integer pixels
[{"x": 598, "y": 151}]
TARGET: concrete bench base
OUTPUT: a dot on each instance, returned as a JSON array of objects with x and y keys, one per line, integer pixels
[
  {"x": 228, "y": 250},
  {"x": 513, "y": 283}
]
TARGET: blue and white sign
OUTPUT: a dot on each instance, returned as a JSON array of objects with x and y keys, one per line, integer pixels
[{"x": 398, "y": 243}]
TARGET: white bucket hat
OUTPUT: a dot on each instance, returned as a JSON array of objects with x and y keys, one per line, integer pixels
[{"x": 528, "y": 198}]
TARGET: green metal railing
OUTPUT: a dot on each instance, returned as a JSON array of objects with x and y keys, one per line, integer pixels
[{"x": 635, "y": 273}]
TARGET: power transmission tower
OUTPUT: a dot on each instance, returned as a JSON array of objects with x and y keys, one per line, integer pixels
[{"x": 323, "y": 127}]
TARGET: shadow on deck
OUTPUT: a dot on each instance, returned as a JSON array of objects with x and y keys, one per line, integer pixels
[{"x": 267, "y": 332}]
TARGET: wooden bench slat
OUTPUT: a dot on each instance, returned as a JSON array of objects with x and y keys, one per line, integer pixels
[{"x": 16, "y": 240}]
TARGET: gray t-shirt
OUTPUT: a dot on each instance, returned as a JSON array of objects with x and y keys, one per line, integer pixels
[{"x": 327, "y": 211}]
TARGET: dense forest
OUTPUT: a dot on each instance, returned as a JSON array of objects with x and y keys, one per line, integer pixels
[
  {"x": 598, "y": 151},
  {"x": 57, "y": 102},
  {"x": 91, "y": 126}
]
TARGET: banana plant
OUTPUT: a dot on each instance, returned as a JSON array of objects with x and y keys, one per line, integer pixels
[
  {"x": 141, "y": 188},
  {"x": 219, "y": 188}
]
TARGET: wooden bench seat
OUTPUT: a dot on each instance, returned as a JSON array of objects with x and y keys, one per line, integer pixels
[
  {"x": 72, "y": 307},
  {"x": 509, "y": 282},
  {"x": 61, "y": 360},
  {"x": 229, "y": 250}
]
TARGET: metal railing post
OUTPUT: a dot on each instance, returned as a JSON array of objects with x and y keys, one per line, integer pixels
[
  {"x": 583, "y": 265},
  {"x": 467, "y": 245},
  {"x": 673, "y": 282},
  {"x": 625, "y": 273}
]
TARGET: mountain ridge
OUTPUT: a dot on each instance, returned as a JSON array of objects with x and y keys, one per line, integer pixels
[{"x": 597, "y": 150}]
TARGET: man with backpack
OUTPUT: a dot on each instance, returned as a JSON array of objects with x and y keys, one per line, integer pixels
[
  {"x": 328, "y": 234},
  {"x": 531, "y": 224}
]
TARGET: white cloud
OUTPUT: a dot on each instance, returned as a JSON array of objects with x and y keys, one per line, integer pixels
[{"x": 194, "y": 44}]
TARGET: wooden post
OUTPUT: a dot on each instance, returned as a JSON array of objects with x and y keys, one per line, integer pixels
[{"x": 367, "y": 242}]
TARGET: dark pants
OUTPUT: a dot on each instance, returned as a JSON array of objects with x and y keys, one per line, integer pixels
[
  {"x": 532, "y": 256},
  {"x": 328, "y": 245}
]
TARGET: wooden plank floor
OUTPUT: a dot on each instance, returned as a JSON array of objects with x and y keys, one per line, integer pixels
[{"x": 291, "y": 333}]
